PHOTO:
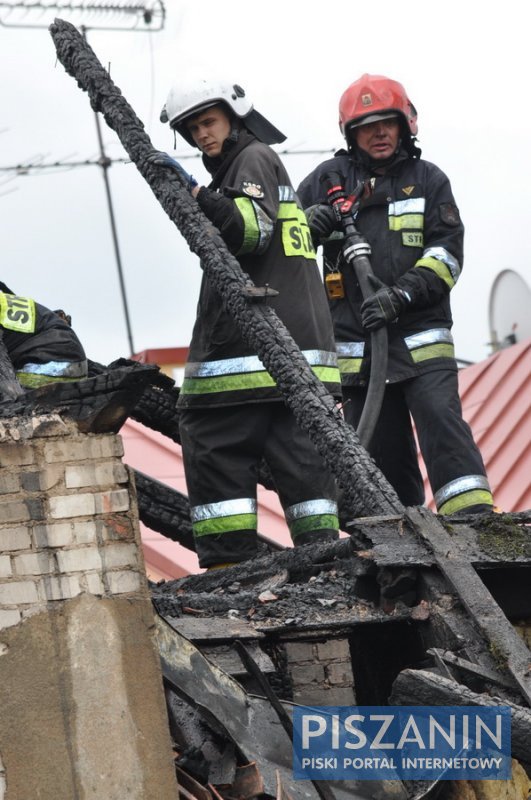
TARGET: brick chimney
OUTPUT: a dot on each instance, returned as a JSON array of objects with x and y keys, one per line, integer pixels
[{"x": 82, "y": 704}]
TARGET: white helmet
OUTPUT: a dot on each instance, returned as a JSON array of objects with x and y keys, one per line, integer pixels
[{"x": 187, "y": 99}]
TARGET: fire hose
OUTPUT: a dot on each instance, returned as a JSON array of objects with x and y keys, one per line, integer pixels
[{"x": 356, "y": 251}]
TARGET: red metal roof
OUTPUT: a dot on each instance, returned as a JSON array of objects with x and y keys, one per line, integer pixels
[
  {"x": 162, "y": 356},
  {"x": 496, "y": 399}
]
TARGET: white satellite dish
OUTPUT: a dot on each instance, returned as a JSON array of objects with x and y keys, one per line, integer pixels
[{"x": 509, "y": 310}]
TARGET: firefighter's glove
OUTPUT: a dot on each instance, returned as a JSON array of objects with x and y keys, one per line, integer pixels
[
  {"x": 162, "y": 159},
  {"x": 322, "y": 221},
  {"x": 385, "y": 305}
]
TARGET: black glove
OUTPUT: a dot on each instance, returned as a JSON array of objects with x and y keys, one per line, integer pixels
[
  {"x": 162, "y": 159},
  {"x": 385, "y": 305},
  {"x": 322, "y": 221}
]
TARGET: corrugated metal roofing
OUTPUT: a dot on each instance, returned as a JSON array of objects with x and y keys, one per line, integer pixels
[{"x": 496, "y": 399}]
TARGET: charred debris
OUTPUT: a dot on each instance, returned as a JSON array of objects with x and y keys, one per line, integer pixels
[{"x": 407, "y": 609}]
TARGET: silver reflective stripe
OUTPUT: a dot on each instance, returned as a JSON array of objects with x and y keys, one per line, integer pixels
[
  {"x": 415, "y": 205},
  {"x": 352, "y": 349},
  {"x": 286, "y": 194},
  {"x": 441, "y": 254},
  {"x": 320, "y": 358},
  {"x": 310, "y": 508},
  {"x": 465, "y": 484},
  {"x": 225, "y": 508},
  {"x": 235, "y": 366},
  {"x": 265, "y": 227},
  {"x": 433, "y": 336},
  {"x": 63, "y": 369}
]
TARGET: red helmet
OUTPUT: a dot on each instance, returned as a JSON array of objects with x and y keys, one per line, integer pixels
[{"x": 374, "y": 97}]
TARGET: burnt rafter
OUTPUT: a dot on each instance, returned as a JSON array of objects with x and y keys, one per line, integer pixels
[{"x": 365, "y": 489}]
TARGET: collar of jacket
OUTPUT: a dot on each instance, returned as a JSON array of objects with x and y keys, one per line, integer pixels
[
  {"x": 233, "y": 144},
  {"x": 375, "y": 167}
]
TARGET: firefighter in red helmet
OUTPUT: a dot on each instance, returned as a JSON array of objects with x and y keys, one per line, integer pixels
[{"x": 409, "y": 217}]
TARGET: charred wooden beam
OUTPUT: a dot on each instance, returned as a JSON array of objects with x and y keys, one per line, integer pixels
[
  {"x": 491, "y": 541},
  {"x": 424, "y": 688},
  {"x": 477, "y": 600},
  {"x": 365, "y": 488},
  {"x": 99, "y": 404}
]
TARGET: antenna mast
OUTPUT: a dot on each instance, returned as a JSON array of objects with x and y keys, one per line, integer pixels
[{"x": 132, "y": 16}]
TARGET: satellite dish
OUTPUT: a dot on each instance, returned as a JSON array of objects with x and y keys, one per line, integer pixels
[{"x": 509, "y": 310}]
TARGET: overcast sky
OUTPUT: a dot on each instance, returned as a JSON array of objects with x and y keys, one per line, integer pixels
[{"x": 464, "y": 65}]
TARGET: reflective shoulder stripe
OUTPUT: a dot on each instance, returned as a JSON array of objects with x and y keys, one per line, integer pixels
[
  {"x": 434, "y": 343},
  {"x": 442, "y": 263},
  {"x": 17, "y": 313},
  {"x": 258, "y": 227},
  {"x": 286, "y": 194}
]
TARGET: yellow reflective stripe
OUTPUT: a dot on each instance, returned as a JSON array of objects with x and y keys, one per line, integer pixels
[
  {"x": 217, "y": 525},
  {"x": 248, "y": 380},
  {"x": 440, "y": 269},
  {"x": 17, "y": 313},
  {"x": 251, "y": 230},
  {"x": 290, "y": 211},
  {"x": 327, "y": 374},
  {"x": 315, "y": 523},
  {"x": 296, "y": 236},
  {"x": 465, "y": 500},
  {"x": 410, "y": 221},
  {"x": 349, "y": 365},
  {"x": 32, "y": 380},
  {"x": 433, "y": 351},
  {"x": 227, "y": 383}
]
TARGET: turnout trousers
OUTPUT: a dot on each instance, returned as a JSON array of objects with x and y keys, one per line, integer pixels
[
  {"x": 223, "y": 449},
  {"x": 453, "y": 461}
]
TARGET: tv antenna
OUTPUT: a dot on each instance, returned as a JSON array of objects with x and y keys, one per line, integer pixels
[
  {"x": 122, "y": 15},
  {"x": 115, "y": 15},
  {"x": 509, "y": 310}
]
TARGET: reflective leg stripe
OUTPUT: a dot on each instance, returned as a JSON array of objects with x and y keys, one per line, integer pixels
[
  {"x": 248, "y": 372},
  {"x": 435, "y": 343},
  {"x": 312, "y": 515},
  {"x": 440, "y": 261},
  {"x": 470, "y": 490},
  {"x": 226, "y": 516},
  {"x": 349, "y": 356}
]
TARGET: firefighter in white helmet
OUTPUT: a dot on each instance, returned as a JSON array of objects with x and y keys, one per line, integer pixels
[
  {"x": 410, "y": 219},
  {"x": 232, "y": 414}
]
